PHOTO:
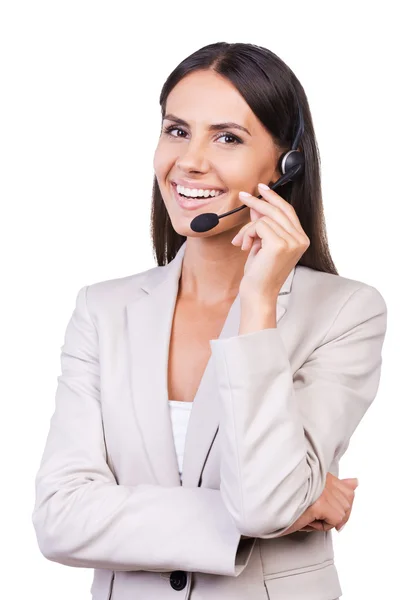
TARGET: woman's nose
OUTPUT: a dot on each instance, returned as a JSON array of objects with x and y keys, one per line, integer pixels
[{"x": 193, "y": 157}]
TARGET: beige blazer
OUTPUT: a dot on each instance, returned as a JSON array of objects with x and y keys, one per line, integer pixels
[{"x": 274, "y": 413}]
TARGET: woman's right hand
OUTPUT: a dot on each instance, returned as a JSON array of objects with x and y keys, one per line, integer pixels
[{"x": 331, "y": 509}]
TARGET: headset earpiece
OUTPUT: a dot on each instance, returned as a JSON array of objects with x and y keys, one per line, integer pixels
[
  {"x": 291, "y": 165},
  {"x": 291, "y": 159}
]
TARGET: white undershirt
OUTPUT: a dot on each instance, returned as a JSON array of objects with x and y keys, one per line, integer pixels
[{"x": 180, "y": 414}]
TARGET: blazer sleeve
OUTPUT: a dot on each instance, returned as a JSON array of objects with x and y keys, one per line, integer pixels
[
  {"x": 280, "y": 432},
  {"x": 83, "y": 518}
]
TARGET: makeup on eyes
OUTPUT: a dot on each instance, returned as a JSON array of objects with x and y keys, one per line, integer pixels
[{"x": 168, "y": 130}]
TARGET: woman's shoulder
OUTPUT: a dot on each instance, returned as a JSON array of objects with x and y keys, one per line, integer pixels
[
  {"x": 120, "y": 290},
  {"x": 318, "y": 288}
]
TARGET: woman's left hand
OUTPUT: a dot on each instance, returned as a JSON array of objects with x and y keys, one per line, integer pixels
[{"x": 276, "y": 241}]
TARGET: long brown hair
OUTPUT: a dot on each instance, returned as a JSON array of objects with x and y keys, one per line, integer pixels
[{"x": 270, "y": 88}]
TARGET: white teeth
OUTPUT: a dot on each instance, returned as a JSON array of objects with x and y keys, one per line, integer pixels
[{"x": 197, "y": 193}]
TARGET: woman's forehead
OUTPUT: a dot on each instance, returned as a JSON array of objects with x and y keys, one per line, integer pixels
[{"x": 206, "y": 98}]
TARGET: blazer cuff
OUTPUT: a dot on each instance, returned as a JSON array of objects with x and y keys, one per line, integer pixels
[{"x": 244, "y": 353}]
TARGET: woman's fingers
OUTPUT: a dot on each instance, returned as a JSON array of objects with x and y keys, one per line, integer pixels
[
  {"x": 343, "y": 523},
  {"x": 308, "y": 528},
  {"x": 320, "y": 526},
  {"x": 344, "y": 484},
  {"x": 330, "y": 511},
  {"x": 348, "y": 487},
  {"x": 238, "y": 239},
  {"x": 285, "y": 217},
  {"x": 338, "y": 510},
  {"x": 250, "y": 233},
  {"x": 342, "y": 488},
  {"x": 342, "y": 496},
  {"x": 329, "y": 507},
  {"x": 283, "y": 205},
  {"x": 278, "y": 207},
  {"x": 351, "y": 483}
]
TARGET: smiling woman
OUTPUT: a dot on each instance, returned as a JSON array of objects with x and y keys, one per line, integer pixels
[
  {"x": 204, "y": 404},
  {"x": 255, "y": 94}
]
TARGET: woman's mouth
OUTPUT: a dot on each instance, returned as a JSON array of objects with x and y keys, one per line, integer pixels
[{"x": 193, "y": 203}]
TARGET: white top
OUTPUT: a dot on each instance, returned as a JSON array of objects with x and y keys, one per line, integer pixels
[{"x": 180, "y": 414}]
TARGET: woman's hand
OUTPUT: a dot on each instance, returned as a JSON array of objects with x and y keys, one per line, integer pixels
[
  {"x": 276, "y": 241},
  {"x": 332, "y": 509}
]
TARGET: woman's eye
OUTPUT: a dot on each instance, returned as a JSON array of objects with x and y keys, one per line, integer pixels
[
  {"x": 170, "y": 129},
  {"x": 233, "y": 137},
  {"x": 235, "y": 140}
]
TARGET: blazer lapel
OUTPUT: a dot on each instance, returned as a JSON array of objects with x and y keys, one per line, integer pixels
[{"x": 149, "y": 322}]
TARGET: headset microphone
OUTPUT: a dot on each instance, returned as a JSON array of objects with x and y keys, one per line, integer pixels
[{"x": 291, "y": 165}]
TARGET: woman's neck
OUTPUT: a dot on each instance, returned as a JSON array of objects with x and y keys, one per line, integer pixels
[{"x": 211, "y": 271}]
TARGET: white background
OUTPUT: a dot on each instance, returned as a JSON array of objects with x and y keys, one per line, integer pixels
[{"x": 80, "y": 120}]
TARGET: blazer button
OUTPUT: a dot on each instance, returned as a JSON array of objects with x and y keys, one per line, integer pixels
[{"x": 178, "y": 580}]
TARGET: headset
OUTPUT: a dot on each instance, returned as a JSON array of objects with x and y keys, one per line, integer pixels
[{"x": 290, "y": 164}]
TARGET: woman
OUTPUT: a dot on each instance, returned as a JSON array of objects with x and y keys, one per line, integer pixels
[{"x": 246, "y": 327}]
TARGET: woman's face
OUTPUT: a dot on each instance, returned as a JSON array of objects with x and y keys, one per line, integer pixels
[{"x": 228, "y": 159}]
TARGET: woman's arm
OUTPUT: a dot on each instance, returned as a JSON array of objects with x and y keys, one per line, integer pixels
[
  {"x": 82, "y": 518},
  {"x": 279, "y": 432}
]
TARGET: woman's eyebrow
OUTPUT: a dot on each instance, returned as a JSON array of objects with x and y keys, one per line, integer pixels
[{"x": 214, "y": 127}]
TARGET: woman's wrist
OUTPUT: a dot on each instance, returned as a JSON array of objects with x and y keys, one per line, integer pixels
[{"x": 257, "y": 315}]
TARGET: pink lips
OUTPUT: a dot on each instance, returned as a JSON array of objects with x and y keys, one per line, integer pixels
[{"x": 192, "y": 203}]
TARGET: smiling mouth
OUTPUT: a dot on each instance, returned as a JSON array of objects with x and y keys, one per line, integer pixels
[
  {"x": 191, "y": 203},
  {"x": 220, "y": 193}
]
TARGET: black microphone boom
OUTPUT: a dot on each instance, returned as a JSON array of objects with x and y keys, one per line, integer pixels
[{"x": 207, "y": 221}]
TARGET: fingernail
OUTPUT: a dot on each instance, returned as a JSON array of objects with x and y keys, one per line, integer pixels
[
  {"x": 263, "y": 186},
  {"x": 342, "y": 527},
  {"x": 244, "y": 194}
]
